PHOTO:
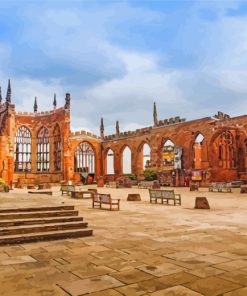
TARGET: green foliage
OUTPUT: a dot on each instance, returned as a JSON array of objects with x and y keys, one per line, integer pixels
[
  {"x": 132, "y": 176},
  {"x": 150, "y": 174}
]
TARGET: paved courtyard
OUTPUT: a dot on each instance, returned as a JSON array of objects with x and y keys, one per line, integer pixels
[{"x": 144, "y": 249}]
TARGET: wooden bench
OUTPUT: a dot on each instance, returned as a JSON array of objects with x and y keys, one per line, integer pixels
[
  {"x": 145, "y": 184},
  {"x": 164, "y": 195},
  {"x": 67, "y": 189},
  {"x": 100, "y": 199},
  {"x": 220, "y": 187},
  {"x": 111, "y": 184},
  {"x": 82, "y": 194}
]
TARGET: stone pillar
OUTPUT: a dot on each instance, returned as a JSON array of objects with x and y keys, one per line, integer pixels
[{"x": 10, "y": 170}]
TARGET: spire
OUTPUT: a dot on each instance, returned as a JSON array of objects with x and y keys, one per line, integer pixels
[
  {"x": 55, "y": 101},
  {"x": 67, "y": 101},
  {"x": 102, "y": 128},
  {"x": 1, "y": 95},
  {"x": 8, "y": 96},
  {"x": 117, "y": 128},
  {"x": 155, "y": 115},
  {"x": 35, "y": 105}
]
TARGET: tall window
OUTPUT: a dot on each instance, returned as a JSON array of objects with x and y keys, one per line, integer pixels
[
  {"x": 84, "y": 158},
  {"x": 168, "y": 154},
  {"x": 57, "y": 148},
  {"x": 23, "y": 149},
  {"x": 146, "y": 155},
  {"x": 126, "y": 160},
  {"x": 197, "y": 149},
  {"x": 110, "y": 162},
  {"x": 43, "y": 150}
]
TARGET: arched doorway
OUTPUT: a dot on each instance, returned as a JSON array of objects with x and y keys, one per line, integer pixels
[
  {"x": 126, "y": 161},
  {"x": 110, "y": 162}
]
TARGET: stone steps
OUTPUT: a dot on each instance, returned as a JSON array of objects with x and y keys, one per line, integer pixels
[
  {"x": 53, "y": 235},
  {"x": 32, "y": 224},
  {"x": 33, "y": 221},
  {"x": 41, "y": 228},
  {"x": 35, "y": 209},
  {"x": 23, "y": 215}
]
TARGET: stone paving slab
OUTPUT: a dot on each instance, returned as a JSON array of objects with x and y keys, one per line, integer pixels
[
  {"x": 177, "y": 290},
  {"x": 212, "y": 286},
  {"x": 141, "y": 250},
  {"x": 80, "y": 287}
]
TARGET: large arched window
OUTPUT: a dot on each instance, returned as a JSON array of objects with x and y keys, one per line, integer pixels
[
  {"x": 197, "y": 151},
  {"x": 126, "y": 160},
  {"x": 23, "y": 149},
  {"x": 84, "y": 158},
  {"x": 43, "y": 150},
  {"x": 146, "y": 155},
  {"x": 110, "y": 162},
  {"x": 57, "y": 148},
  {"x": 225, "y": 149},
  {"x": 168, "y": 154}
]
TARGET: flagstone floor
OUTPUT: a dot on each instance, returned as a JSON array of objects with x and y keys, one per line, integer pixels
[{"x": 144, "y": 249}]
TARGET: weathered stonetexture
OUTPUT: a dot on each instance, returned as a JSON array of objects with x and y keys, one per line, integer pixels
[{"x": 221, "y": 156}]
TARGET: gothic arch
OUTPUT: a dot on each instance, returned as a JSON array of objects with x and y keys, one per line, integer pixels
[
  {"x": 126, "y": 160},
  {"x": 84, "y": 158},
  {"x": 109, "y": 161},
  {"x": 43, "y": 150},
  {"x": 23, "y": 149},
  {"x": 143, "y": 157}
]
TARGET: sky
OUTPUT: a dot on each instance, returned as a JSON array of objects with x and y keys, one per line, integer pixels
[{"x": 116, "y": 58}]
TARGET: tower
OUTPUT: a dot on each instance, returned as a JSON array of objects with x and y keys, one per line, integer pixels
[
  {"x": 155, "y": 115},
  {"x": 8, "y": 95},
  {"x": 35, "y": 105},
  {"x": 55, "y": 101},
  {"x": 102, "y": 129}
]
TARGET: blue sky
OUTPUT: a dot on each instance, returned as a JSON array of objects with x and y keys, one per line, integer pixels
[{"x": 117, "y": 57}]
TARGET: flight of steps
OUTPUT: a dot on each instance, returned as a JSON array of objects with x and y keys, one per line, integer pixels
[{"x": 22, "y": 225}]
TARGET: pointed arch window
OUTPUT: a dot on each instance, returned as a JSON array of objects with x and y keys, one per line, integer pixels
[
  {"x": 126, "y": 160},
  {"x": 22, "y": 150},
  {"x": 43, "y": 150},
  {"x": 146, "y": 155},
  {"x": 168, "y": 154},
  {"x": 57, "y": 148},
  {"x": 84, "y": 158},
  {"x": 110, "y": 162},
  {"x": 197, "y": 151}
]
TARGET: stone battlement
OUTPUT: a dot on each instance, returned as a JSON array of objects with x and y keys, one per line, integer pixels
[
  {"x": 83, "y": 133},
  {"x": 146, "y": 130},
  {"x": 221, "y": 116},
  {"x": 40, "y": 113}
]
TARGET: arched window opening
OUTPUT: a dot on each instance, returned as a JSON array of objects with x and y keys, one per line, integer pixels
[
  {"x": 43, "y": 150},
  {"x": 84, "y": 158},
  {"x": 197, "y": 150},
  {"x": 199, "y": 139},
  {"x": 126, "y": 160},
  {"x": 22, "y": 150},
  {"x": 168, "y": 154},
  {"x": 110, "y": 162},
  {"x": 57, "y": 148},
  {"x": 146, "y": 156},
  {"x": 226, "y": 150}
]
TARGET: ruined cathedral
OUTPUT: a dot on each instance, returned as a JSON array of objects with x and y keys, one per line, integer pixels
[{"x": 39, "y": 147}]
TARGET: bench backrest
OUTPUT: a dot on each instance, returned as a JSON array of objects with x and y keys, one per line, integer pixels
[
  {"x": 155, "y": 193},
  {"x": 67, "y": 188},
  {"x": 102, "y": 197},
  {"x": 146, "y": 183}
]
